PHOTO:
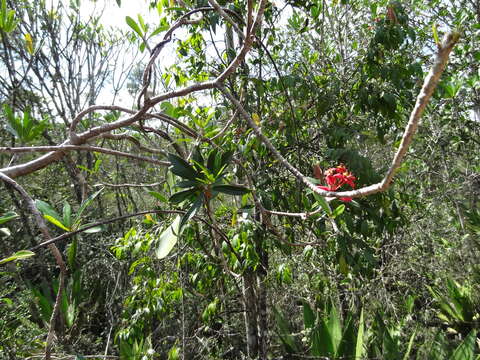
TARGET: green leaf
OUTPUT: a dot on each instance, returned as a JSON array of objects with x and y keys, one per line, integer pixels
[
  {"x": 187, "y": 184},
  {"x": 465, "y": 350},
  {"x": 197, "y": 155},
  {"x": 359, "y": 345},
  {"x": 72, "y": 253},
  {"x": 47, "y": 209},
  {"x": 285, "y": 332},
  {"x": 323, "y": 203},
  {"x": 142, "y": 23},
  {"x": 168, "y": 239},
  {"x": 130, "y": 22},
  {"x": 226, "y": 157},
  {"x": 409, "y": 347},
  {"x": 67, "y": 214},
  {"x": 19, "y": 255},
  {"x": 335, "y": 329},
  {"x": 78, "y": 216},
  {"x": 322, "y": 341},
  {"x": 211, "y": 160},
  {"x": 56, "y": 222},
  {"x": 191, "y": 211},
  {"x": 182, "y": 168},
  {"x": 346, "y": 348},
  {"x": 338, "y": 211},
  {"x": 308, "y": 316},
  {"x": 182, "y": 195},
  {"x": 435, "y": 34},
  {"x": 8, "y": 216},
  {"x": 231, "y": 189},
  {"x": 158, "y": 196}
]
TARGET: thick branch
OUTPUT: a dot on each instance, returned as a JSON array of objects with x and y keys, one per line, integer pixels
[{"x": 82, "y": 148}]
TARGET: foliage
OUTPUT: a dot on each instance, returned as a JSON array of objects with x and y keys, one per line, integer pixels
[{"x": 184, "y": 235}]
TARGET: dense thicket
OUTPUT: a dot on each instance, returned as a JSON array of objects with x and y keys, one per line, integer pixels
[{"x": 150, "y": 207}]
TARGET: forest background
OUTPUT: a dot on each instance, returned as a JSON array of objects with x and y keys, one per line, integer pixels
[{"x": 169, "y": 188}]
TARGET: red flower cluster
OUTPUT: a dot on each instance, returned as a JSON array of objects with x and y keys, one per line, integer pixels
[{"x": 336, "y": 177}]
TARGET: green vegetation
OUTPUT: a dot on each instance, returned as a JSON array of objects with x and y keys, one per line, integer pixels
[{"x": 240, "y": 180}]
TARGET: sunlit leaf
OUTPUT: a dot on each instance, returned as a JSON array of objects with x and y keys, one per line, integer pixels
[
  {"x": 168, "y": 239},
  {"x": 256, "y": 118},
  {"x": 19, "y": 255},
  {"x": 47, "y": 209},
  {"x": 130, "y": 22},
  {"x": 29, "y": 43},
  {"x": 8, "y": 216},
  {"x": 338, "y": 211},
  {"x": 93, "y": 230},
  {"x": 56, "y": 222}
]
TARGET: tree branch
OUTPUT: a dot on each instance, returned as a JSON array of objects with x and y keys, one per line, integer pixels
[{"x": 423, "y": 98}]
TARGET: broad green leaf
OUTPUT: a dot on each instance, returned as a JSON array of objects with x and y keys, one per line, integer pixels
[
  {"x": 158, "y": 196},
  {"x": 168, "y": 239},
  {"x": 197, "y": 155},
  {"x": 338, "y": 211},
  {"x": 5, "y": 231},
  {"x": 19, "y": 255},
  {"x": 231, "y": 189},
  {"x": 346, "y": 348},
  {"x": 56, "y": 222},
  {"x": 342, "y": 265},
  {"x": 182, "y": 195},
  {"x": 323, "y": 204},
  {"x": 182, "y": 168},
  {"x": 334, "y": 328},
  {"x": 465, "y": 351},
  {"x": 67, "y": 214},
  {"x": 187, "y": 184},
  {"x": 47, "y": 209},
  {"x": 8, "y": 216},
  {"x": 130, "y": 22},
  {"x": 322, "y": 341},
  {"x": 285, "y": 332},
  {"x": 308, "y": 316}
]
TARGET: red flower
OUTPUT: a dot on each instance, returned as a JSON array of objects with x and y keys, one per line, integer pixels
[{"x": 336, "y": 177}]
